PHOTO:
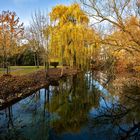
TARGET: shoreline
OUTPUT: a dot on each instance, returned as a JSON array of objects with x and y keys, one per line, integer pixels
[{"x": 16, "y": 88}]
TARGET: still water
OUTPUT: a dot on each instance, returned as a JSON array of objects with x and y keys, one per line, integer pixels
[{"x": 84, "y": 107}]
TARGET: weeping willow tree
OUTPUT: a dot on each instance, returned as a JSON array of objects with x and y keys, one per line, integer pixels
[{"x": 72, "y": 41}]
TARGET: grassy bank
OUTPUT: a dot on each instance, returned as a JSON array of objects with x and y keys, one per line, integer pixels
[{"x": 21, "y": 70}]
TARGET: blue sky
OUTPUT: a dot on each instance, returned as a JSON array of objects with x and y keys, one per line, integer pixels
[{"x": 24, "y": 8}]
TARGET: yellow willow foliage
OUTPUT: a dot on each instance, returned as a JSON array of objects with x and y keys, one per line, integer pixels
[
  {"x": 71, "y": 39},
  {"x": 68, "y": 13}
]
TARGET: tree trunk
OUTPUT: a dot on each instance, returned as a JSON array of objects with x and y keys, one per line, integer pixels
[
  {"x": 5, "y": 63},
  {"x": 35, "y": 59},
  {"x": 15, "y": 61}
]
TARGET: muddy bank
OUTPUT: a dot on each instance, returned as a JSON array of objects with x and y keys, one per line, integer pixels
[{"x": 15, "y": 88}]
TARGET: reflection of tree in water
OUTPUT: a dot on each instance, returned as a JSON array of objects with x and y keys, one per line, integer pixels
[
  {"x": 20, "y": 128},
  {"x": 11, "y": 132},
  {"x": 68, "y": 107},
  {"x": 72, "y": 104},
  {"x": 130, "y": 97},
  {"x": 124, "y": 115}
]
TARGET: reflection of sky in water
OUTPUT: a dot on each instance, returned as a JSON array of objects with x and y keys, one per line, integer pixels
[
  {"x": 106, "y": 99},
  {"x": 27, "y": 116},
  {"x": 84, "y": 134},
  {"x": 99, "y": 87}
]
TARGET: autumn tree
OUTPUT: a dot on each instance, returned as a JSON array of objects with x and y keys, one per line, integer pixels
[
  {"x": 122, "y": 45},
  {"x": 121, "y": 21},
  {"x": 122, "y": 40},
  {"x": 114, "y": 12},
  {"x": 71, "y": 39},
  {"x": 11, "y": 31}
]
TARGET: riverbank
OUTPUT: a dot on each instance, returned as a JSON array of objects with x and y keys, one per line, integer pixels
[
  {"x": 21, "y": 70},
  {"x": 15, "y": 88}
]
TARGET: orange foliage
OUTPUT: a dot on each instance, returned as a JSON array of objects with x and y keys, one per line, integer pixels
[{"x": 11, "y": 30}]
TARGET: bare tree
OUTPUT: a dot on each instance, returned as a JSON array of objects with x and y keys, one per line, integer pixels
[
  {"x": 138, "y": 5},
  {"x": 113, "y": 12},
  {"x": 38, "y": 24}
]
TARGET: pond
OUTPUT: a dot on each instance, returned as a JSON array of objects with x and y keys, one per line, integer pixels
[{"x": 84, "y": 107}]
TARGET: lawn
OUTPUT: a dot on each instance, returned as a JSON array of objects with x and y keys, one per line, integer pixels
[{"x": 22, "y": 70}]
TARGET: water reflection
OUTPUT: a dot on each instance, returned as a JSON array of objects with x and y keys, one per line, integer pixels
[
  {"x": 72, "y": 104},
  {"x": 123, "y": 115},
  {"x": 79, "y": 107}
]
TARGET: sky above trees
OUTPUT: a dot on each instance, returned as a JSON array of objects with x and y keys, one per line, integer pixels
[{"x": 25, "y": 8}]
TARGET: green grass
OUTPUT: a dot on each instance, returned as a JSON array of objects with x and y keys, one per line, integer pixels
[{"x": 21, "y": 70}]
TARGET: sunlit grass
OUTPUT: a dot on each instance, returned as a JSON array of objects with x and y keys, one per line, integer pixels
[{"x": 22, "y": 70}]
